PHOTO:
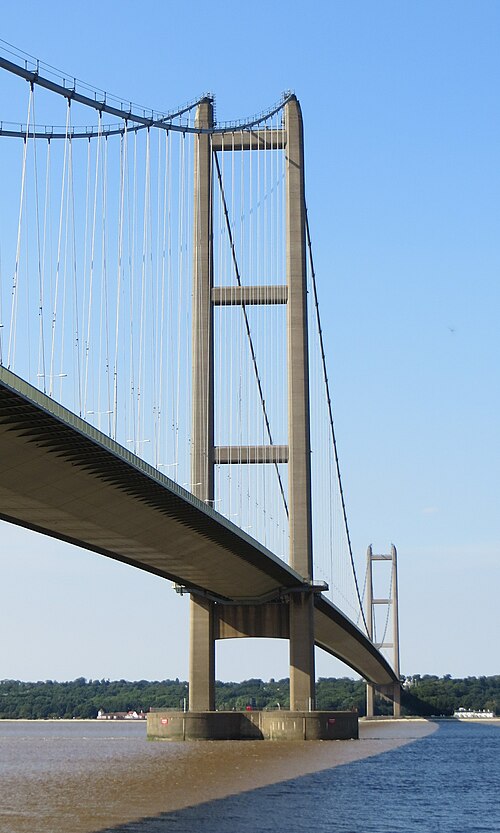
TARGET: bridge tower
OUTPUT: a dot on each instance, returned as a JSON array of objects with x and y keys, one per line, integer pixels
[
  {"x": 204, "y": 613},
  {"x": 392, "y": 603}
]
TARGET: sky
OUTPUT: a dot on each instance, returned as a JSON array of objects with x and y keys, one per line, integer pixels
[{"x": 402, "y": 132}]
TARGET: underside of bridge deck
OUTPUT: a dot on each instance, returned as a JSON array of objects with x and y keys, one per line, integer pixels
[{"x": 62, "y": 477}]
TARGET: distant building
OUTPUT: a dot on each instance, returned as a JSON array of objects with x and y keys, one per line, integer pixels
[
  {"x": 133, "y": 715},
  {"x": 468, "y": 714}
]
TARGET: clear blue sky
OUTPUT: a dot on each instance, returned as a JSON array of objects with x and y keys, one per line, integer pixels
[{"x": 401, "y": 111}]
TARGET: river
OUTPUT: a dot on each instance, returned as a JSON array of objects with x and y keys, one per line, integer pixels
[{"x": 90, "y": 777}]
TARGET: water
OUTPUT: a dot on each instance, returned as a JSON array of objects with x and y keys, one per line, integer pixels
[{"x": 88, "y": 777}]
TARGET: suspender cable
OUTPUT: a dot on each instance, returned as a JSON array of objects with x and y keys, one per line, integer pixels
[
  {"x": 181, "y": 209},
  {"x": 92, "y": 265},
  {"x": 123, "y": 166},
  {"x": 330, "y": 413},
  {"x": 132, "y": 239},
  {"x": 41, "y": 345},
  {"x": 144, "y": 259},
  {"x": 77, "y": 389},
  {"x": 55, "y": 300},
  {"x": 162, "y": 219},
  {"x": 15, "y": 280},
  {"x": 104, "y": 288}
]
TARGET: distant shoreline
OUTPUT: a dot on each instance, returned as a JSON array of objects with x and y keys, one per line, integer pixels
[{"x": 423, "y": 696}]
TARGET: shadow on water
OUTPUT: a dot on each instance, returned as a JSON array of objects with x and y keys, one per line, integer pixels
[{"x": 447, "y": 782}]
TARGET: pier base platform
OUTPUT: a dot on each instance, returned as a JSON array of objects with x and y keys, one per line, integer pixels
[{"x": 252, "y": 725}]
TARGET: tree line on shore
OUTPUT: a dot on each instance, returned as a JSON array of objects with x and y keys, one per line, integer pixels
[{"x": 81, "y": 698}]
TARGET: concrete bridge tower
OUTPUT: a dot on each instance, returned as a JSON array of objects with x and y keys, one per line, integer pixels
[
  {"x": 205, "y": 613},
  {"x": 391, "y": 602}
]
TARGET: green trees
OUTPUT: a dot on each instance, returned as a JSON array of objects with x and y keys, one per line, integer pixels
[
  {"x": 429, "y": 694},
  {"x": 81, "y": 698},
  {"x": 254, "y": 693}
]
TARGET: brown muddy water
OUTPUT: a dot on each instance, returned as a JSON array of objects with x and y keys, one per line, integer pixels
[{"x": 85, "y": 777}]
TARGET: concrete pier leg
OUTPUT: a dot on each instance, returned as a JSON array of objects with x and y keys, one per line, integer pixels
[
  {"x": 370, "y": 700},
  {"x": 302, "y": 675},
  {"x": 397, "y": 700},
  {"x": 201, "y": 656}
]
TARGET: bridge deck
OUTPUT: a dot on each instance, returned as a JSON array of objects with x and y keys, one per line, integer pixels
[{"x": 64, "y": 478}]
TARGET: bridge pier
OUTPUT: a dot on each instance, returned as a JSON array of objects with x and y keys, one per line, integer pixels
[
  {"x": 302, "y": 673},
  {"x": 388, "y": 692},
  {"x": 370, "y": 700},
  {"x": 253, "y": 725},
  {"x": 201, "y": 655}
]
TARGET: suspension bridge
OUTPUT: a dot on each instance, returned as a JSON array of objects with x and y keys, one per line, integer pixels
[{"x": 164, "y": 397}]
